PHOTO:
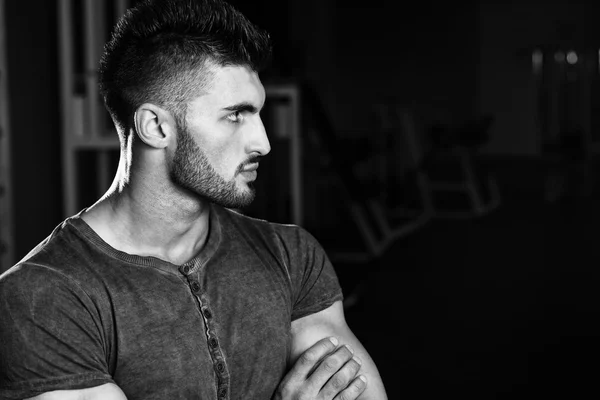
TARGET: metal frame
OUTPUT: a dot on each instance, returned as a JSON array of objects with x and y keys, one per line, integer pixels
[
  {"x": 82, "y": 115},
  {"x": 429, "y": 188},
  {"x": 292, "y": 92}
]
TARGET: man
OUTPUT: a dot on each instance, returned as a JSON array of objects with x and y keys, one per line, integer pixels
[{"x": 159, "y": 290}]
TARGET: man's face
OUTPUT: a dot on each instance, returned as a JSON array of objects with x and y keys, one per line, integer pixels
[{"x": 223, "y": 137}]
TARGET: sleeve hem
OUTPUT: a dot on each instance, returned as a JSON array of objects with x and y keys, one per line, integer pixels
[
  {"x": 36, "y": 387},
  {"x": 316, "y": 307}
]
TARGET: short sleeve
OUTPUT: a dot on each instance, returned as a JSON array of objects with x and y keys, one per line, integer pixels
[
  {"x": 50, "y": 334},
  {"x": 315, "y": 284}
]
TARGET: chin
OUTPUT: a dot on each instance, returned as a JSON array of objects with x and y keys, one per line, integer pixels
[{"x": 240, "y": 200}]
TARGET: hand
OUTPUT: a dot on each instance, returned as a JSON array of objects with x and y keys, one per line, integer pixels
[{"x": 323, "y": 372}]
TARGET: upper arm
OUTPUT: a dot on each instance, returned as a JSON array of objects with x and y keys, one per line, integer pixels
[
  {"x": 108, "y": 391},
  {"x": 307, "y": 330},
  {"x": 51, "y": 335}
]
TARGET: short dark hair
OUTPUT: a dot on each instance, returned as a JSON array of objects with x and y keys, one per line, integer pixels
[{"x": 160, "y": 48}]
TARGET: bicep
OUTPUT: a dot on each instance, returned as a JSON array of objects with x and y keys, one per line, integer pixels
[
  {"x": 108, "y": 391},
  {"x": 50, "y": 330},
  {"x": 306, "y": 331}
]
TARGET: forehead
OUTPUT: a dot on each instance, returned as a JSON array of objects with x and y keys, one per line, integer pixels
[{"x": 228, "y": 86}]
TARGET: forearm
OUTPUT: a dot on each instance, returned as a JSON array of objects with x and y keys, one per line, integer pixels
[{"x": 328, "y": 323}]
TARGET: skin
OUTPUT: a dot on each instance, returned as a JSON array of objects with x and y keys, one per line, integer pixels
[{"x": 158, "y": 206}]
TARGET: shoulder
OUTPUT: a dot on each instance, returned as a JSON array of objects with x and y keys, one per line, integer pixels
[
  {"x": 33, "y": 287},
  {"x": 48, "y": 265},
  {"x": 232, "y": 219},
  {"x": 292, "y": 244}
]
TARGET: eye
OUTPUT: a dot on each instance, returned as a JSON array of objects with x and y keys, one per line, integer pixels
[{"x": 235, "y": 117}]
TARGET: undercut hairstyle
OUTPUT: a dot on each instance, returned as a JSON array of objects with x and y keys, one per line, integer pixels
[{"x": 162, "y": 52}]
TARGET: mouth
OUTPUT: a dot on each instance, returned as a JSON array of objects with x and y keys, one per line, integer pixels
[
  {"x": 249, "y": 171},
  {"x": 250, "y": 167}
]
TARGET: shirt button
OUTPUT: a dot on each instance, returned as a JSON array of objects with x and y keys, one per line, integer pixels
[
  {"x": 220, "y": 367},
  {"x": 213, "y": 343},
  {"x": 222, "y": 393},
  {"x": 195, "y": 287},
  {"x": 207, "y": 314},
  {"x": 186, "y": 269}
]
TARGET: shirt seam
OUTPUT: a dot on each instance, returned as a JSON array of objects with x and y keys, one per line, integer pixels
[
  {"x": 324, "y": 300},
  {"x": 74, "y": 378},
  {"x": 129, "y": 262}
]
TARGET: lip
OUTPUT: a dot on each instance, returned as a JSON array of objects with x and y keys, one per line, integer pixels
[
  {"x": 250, "y": 175},
  {"x": 250, "y": 167}
]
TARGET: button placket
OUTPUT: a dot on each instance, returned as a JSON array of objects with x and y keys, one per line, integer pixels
[
  {"x": 195, "y": 286},
  {"x": 220, "y": 367},
  {"x": 212, "y": 341}
]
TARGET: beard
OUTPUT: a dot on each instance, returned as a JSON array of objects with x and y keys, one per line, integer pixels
[{"x": 191, "y": 170}]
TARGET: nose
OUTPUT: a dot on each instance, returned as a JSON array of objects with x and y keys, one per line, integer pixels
[{"x": 258, "y": 142}]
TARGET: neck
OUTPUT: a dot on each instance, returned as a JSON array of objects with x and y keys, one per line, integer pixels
[{"x": 147, "y": 219}]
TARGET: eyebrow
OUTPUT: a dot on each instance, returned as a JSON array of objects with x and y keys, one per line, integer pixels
[{"x": 242, "y": 107}]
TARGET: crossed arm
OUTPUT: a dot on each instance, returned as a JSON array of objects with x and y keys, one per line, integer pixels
[
  {"x": 331, "y": 322},
  {"x": 306, "y": 332}
]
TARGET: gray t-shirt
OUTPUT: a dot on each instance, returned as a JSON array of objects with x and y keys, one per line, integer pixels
[{"x": 77, "y": 313}]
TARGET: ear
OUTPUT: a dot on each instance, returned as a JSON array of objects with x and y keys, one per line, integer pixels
[{"x": 154, "y": 125}]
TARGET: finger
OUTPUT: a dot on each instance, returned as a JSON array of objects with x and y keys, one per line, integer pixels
[
  {"x": 355, "y": 389},
  {"x": 341, "y": 379},
  {"x": 311, "y": 357},
  {"x": 330, "y": 365}
]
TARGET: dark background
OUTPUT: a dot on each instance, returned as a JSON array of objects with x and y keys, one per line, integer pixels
[{"x": 502, "y": 306}]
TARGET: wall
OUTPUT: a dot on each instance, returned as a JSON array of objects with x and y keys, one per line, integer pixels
[
  {"x": 35, "y": 135},
  {"x": 356, "y": 55},
  {"x": 508, "y": 34},
  {"x": 423, "y": 57}
]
